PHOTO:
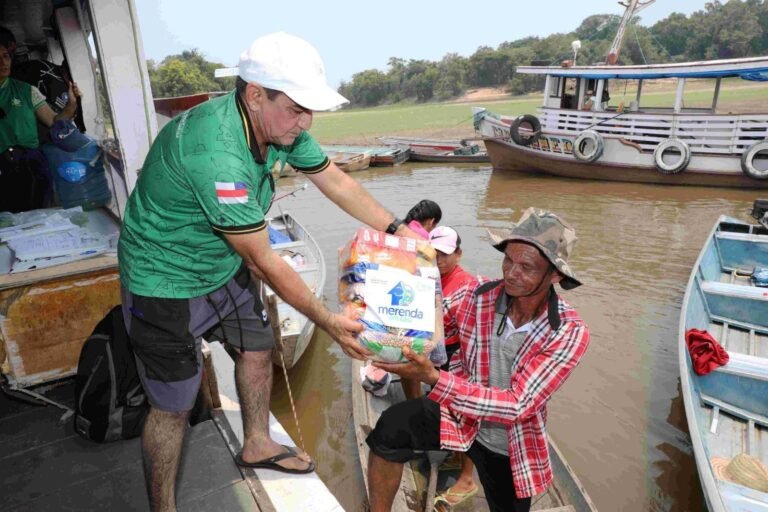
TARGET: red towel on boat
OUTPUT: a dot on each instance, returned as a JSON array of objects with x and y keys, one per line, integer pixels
[{"x": 706, "y": 352}]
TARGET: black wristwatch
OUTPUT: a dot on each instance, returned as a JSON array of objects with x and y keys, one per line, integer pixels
[{"x": 392, "y": 228}]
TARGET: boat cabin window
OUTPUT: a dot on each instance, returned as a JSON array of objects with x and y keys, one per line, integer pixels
[
  {"x": 570, "y": 93},
  {"x": 555, "y": 87}
]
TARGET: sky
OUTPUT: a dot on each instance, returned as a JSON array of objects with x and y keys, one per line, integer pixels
[{"x": 355, "y": 35}]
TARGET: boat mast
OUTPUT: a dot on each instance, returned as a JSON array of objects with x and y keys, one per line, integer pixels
[{"x": 632, "y": 8}]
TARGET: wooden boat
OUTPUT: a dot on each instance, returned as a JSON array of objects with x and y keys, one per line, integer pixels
[
  {"x": 450, "y": 157},
  {"x": 566, "y": 494},
  {"x": 727, "y": 410},
  {"x": 293, "y": 329},
  {"x": 635, "y": 142},
  {"x": 381, "y": 156},
  {"x": 440, "y": 151},
  {"x": 350, "y": 161}
]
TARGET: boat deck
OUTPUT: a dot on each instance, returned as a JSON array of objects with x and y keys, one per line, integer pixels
[
  {"x": 44, "y": 465},
  {"x": 735, "y": 431}
]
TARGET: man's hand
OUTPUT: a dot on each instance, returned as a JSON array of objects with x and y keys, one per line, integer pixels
[
  {"x": 407, "y": 232},
  {"x": 69, "y": 110},
  {"x": 344, "y": 330},
  {"x": 418, "y": 367}
]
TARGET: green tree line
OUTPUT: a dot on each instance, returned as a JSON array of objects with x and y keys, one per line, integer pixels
[{"x": 721, "y": 30}]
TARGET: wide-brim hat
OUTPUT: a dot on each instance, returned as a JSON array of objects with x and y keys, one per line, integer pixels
[
  {"x": 291, "y": 65},
  {"x": 743, "y": 469},
  {"x": 549, "y": 234}
]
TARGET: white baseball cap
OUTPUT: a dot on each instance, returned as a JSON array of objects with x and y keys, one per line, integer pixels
[
  {"x": 444, "y": 239},
  {"x": 291, "y": 65}
]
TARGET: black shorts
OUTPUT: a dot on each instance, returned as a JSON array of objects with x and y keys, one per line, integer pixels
[
  {"x": 412, "y": 427},
  {"x": 166, "y": 335}
]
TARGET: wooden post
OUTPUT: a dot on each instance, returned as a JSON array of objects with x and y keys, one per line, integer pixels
[
  {"x": 547, "y": 86},
  {"x": 717, "y": 94},
  {"x": 599, "y": 96},
  {"x": 679, "y": 95}
]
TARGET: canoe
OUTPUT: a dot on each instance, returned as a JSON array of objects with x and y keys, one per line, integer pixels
[
  {"x": 293, "y": 329},
  {"x": 727, "y": 410},
  {"x": 439, "y": 151},
  {"x": 450, "y": 157},
  {"x": 350, "y": 161},
  {"x": 566, "y": 490},
  {"x": 381, "y": 156}
]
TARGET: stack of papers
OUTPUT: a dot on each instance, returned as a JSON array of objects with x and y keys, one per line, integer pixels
[{"x": 44, "y": 238}]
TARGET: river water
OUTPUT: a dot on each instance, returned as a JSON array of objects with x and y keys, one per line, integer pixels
[{"x": 619, "y": 419}]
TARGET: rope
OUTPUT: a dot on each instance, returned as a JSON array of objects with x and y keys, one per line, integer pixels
[
  {"x": 290, "y": 395},
  {"x": 639, "y": 46},
  {"x": 671, "y": 58}
]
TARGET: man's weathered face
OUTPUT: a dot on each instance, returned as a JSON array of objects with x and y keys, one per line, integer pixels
[
  {"x": 524, "y": 269},
  {"x": 447, "y": 262},
  {"x": 5, "y": 63},
  {"x": 283, "y": 120}
]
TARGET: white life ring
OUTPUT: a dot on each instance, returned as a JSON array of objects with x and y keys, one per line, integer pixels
[
  {"x": 676, "y": 165},
  {"x": 748, "y": 160},
  {"x": 588, "y": 146}
]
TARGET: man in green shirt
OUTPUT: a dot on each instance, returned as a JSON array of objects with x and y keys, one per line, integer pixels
[
  {"x": 24, "y": 177},
  {"x": 194, "y": 235}
]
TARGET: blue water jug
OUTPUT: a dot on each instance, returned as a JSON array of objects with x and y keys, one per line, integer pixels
[{"x": 78, "y": 177}]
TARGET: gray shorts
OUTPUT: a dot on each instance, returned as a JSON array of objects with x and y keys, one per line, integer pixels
[{"x": 166, "y": 335}]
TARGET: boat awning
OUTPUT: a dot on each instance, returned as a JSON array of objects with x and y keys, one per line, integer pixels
[{"x": 754, "y": 68}]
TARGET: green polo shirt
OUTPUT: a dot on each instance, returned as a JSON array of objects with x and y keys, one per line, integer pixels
[
  {"x": 19, "y": 101},
  {"x": 203, "y": 177}
]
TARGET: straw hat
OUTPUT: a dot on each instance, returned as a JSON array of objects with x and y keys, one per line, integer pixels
[{"x": 743, "y": 469}]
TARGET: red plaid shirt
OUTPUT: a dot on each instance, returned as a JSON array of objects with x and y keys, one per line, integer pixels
[{"x": 545, "y": 359}]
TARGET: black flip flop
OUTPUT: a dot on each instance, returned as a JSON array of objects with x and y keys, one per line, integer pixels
[{"x": 272, "y": 462}]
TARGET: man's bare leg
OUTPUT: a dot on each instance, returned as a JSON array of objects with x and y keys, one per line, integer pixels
[
  {"x": 465, "y": 483},
  {"x": 411, "y": 388},
  {"x": 161, "y": 442},
  {"x": 253, "y": 376},
  {"x": 383, "y": 482}
]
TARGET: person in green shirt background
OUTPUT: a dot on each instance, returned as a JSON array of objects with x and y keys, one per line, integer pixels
[
  {"x": 194, "y": 243},
  {"x": 24, "y": 177}
]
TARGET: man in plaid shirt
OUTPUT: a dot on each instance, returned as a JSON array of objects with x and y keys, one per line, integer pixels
[{"x": 519, "y": 342}]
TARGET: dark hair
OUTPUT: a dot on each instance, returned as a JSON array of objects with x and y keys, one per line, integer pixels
[
  {"x": 424, "y": 209},
  {"x": 6, "y": 37},
  {"x": 241, "y": 84}
]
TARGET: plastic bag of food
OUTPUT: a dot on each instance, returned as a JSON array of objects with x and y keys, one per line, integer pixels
[{"x": 392, "y": 285}]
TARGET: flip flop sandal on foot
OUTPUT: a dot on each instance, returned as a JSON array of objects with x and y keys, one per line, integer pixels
[
  {"x": 272, "y": 462},
  {"x": 442, "y": 498}
]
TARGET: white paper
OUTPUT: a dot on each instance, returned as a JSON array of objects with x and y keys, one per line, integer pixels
[{"x": 75, "y": 242}]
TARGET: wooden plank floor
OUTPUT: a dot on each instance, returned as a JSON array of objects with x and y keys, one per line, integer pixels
[{"x": 45, "y": 466}]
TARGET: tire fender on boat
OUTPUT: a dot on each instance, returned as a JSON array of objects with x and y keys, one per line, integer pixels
[
  {"x": 588, "y": 146},
  {"x": 748, "y": 160},
  {"x": 530, "y": 135},
  {"x": 678, "y": 164}
]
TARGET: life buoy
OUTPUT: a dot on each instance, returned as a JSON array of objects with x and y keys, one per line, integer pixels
[
  {"x": 748, "y": 160},
  {"x": 677, "y": 164},
  {"x": 588, "y": 146},
  {"x": 532, "y": 130}
]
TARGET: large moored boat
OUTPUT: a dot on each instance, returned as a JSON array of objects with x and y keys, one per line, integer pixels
[{"x": 698, "y": 136}]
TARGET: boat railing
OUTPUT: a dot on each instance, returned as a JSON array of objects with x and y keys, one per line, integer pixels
[{"x": 710, "y": 134}]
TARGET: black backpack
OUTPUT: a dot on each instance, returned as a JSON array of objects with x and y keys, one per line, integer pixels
[{"x": 110, "y": 403}]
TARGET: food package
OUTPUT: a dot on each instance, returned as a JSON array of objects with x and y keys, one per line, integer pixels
[{"x": 392, "y": 284}]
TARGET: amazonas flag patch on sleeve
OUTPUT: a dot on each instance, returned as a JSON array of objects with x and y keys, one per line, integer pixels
[{"x": 230, "y": 192}]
